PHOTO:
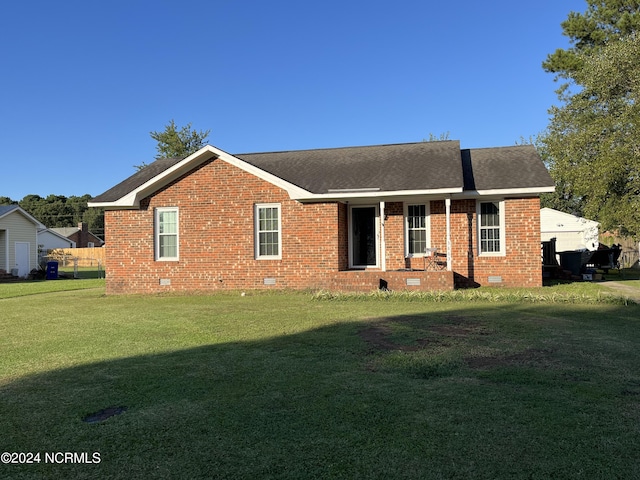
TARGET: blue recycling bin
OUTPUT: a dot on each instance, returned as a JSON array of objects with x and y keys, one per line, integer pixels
[{"x": 52, "y": 270}]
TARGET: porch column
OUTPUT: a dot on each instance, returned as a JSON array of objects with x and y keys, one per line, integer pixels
[
  {"x": 447, "y": 206},
  {"x": 383, "y": 245}
]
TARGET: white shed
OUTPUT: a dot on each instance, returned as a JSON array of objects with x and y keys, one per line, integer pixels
[
  {"x": 18, "y": 240},
  {"x": 571, "y": 232}
]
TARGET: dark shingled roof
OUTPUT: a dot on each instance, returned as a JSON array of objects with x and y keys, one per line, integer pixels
[
  {"x": 409, "y": 166},
  {"x": 137, "y": 179},
  {"x": 504, "y": 168},
  {"x": 420, "y": 166},
  {"x": 4, "y": 209}
]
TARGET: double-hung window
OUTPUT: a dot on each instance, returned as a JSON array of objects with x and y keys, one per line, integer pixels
[
  {"x": 268, "y": 232},
  {"x": 491, "y": 228},
  {"x": 166, "y": 233},
  {"x": 417, "y": 230}
]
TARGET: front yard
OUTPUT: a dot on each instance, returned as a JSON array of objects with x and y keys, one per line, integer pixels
[{"x": 541, "y": 384}]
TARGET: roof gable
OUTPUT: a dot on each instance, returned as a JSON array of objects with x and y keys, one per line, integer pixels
[
  {"x": 64, "y": 232},
  {"x": 6, "y": 210},
  {"x": 52, "y": 232},
  {"x": 130, "y": 192},
  {"x": 137, "y": 180}
]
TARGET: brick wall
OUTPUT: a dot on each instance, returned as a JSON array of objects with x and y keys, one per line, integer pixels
[
  {"x": 521, "y": 266},
  {"x": 216, "y": 231},
  {"x": 216, "y": 228},
  {"x": 394, "y": 231}
]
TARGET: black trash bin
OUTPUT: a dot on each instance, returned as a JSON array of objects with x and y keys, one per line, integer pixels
[
  {"x": 571, "y": 261},
  {"x": 52, "y": 270}
]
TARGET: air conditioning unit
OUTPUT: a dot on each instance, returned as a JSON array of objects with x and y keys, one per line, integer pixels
[{"x": 14, "y": 272}]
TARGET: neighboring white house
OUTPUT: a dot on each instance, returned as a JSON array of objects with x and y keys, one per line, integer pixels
[
  {"x": 18, "y": 240},
  {"x": 50, "y": 240},
  {"x": 570, "y": 232}
]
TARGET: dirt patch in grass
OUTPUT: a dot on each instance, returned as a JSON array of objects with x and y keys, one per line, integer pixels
[
  {"x": 458, "y": 330},
  {"x": 531, "y": 356},
  {"x": 380, "y": 336},
  {"x": 377, "y": 337},
  {"x": 458, "y": 326}
]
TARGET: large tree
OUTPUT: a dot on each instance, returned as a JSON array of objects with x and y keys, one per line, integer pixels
[
  {"x": 592, "y": 144},
  {"x": 604, "y": 22},
  {"x": 174, "y": 142}
]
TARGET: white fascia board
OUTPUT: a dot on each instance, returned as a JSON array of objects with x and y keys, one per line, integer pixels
[
  {"x": 108, "y": 205},
  {"x": 124, "y": 203},
  {"x": 373, "y": 194},
  {"x": 501, "y": 192},
  {"x": 132, "y": 199}
]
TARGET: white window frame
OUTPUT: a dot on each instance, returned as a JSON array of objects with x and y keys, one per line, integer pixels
[
  {"x": 501, "y": 228},
  {"x": 157, "y": 234},
  {"x": 257, "y": 231},
  {"x": 427, "y": 228}
]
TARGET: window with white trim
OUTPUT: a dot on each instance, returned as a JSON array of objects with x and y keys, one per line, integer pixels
[
  {"x": 491, "y": 235},
  {"x": 417, "y": 229},
  {"x": 268, "y": 233},
  {"x": 166, "y": 233}
]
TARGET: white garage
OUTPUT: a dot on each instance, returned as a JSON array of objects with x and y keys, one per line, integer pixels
[{"x": 571, "y": 232}]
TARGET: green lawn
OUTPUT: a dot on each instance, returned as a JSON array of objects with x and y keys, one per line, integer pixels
[{"x": 505, "y": 384}]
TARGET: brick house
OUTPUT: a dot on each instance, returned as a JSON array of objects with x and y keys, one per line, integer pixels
[
  {"x": 409, "y": 216},
  {"x": 80, "y": 235}
]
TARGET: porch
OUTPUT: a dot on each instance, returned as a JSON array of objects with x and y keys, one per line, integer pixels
[{"x": 369, "y": 280}]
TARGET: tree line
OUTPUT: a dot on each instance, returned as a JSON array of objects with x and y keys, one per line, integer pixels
[
  {"x": 56, "y": 211},
  {"x": 592, "y": 143}
]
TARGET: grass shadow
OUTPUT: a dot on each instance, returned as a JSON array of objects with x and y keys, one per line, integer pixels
[{"x": 505, "y": 391}]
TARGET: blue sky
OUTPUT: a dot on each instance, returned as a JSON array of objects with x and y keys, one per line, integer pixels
[{"x": 83, "y": 83}]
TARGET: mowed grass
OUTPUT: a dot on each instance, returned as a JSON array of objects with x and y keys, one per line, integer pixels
[
  {"x": 20, "y": 289},
  {"x": 294, "y": 386}
]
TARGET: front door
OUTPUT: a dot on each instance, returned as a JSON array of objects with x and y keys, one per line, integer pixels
[
  {"x": 364, "y": 237},
  {"x": 22, "y": 258}
]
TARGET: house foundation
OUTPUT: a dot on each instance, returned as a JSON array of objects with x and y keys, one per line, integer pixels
[{"x": 409, "y": 280}]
